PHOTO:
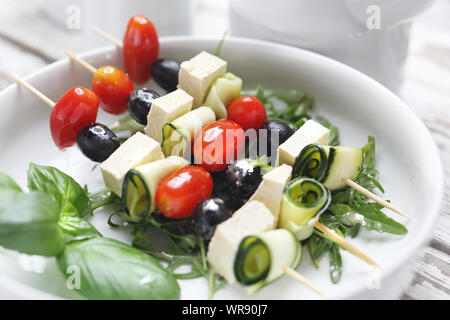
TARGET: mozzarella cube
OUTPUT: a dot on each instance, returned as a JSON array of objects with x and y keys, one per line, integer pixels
[
  {"x": 197, "y": 75},
  {"x": 270, "y": 190},
  {"x": 137, "y": 150},
  {"x": 166, "y": 109},
  {"x": 252, "y": 218},
  {"x": 310, "y": 132}
]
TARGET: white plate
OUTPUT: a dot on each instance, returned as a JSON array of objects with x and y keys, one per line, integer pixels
[{"x": 407, "y": 157}]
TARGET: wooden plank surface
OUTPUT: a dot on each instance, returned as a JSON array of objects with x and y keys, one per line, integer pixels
[{"x": 426, "y": 90}]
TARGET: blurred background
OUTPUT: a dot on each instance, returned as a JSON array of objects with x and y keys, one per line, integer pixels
[{"x": 404, "y": 44}]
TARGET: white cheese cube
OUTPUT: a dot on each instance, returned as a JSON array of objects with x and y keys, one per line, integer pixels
[
  {"x": 166, "y": 109},
  {"x": 310, "y": 132},
  {"x": 252, "y": 218},
  {"x": 197, "y": 75},
  {"x": 137, "y": 150},
  {"x": 270, "y": 190}
]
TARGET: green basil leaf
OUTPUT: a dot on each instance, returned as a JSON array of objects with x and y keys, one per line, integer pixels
[
  {"x": 7, "y": 183},
  {"x": 110, "y": 269},
  {"x": 29, "y": 223},
  {"x": 66, "y": 191},
  {"x": 77, "y": 228},
  {"x": 335, "y": 264}
]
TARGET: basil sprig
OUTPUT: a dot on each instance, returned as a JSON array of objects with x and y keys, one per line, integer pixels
[{"x": 50, "y": 221}]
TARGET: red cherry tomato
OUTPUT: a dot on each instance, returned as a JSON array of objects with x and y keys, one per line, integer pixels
[
  {"x": 140, "y": 48},
  {"x": 112, "y": 86},
  {"x": 179, "y": 192},
  {"x": 76, "y": 109},
  {"x": 248, "y": 111},
  {"x": 218, "y": 144}
]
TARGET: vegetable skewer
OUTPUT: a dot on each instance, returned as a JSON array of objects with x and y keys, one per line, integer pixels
[
  {"x": 303, "y": 201},
  {"x": 335, "y": 167},
  {"x": 140, "y": 47},
  {"x": 112, "y": 85},
  {"x": 72, "y": 121}
]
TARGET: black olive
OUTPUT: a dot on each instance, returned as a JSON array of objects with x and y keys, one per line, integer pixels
[
  {"x": 165, "y": 73},
  {"x": 207, "y": 215},
  {"x": 239, "y": 181},
  {"x": 97, "y": 142},
  {"x": 139, "y": 103},
  {"x": 273, "y": 128}
]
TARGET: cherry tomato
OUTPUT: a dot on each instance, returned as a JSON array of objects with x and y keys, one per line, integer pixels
[
  {"x": 179, "y": 192},
  {"x": 218, "y": 144},
  {"x": 76, "y": 109},
  {"x": 113, "y": 86},
  {"x": 248, "y": 111},
  {"x": 140, "y": 48}
]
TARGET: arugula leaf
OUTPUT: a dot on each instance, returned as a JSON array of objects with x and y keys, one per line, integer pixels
[
  {"x": 66, "y": 191},
  {"x": 29, "y": 223},
  {"x": 175, "y": 232},
  {"x": 102, "y": 198},
  {"x": 292, "y": 108},
  {"x": 77, "y": 228},
  {"x": 126, "y": 125},
  {"x": 110, "y": 269},
  {"x": 369, "y": 154},
  {"x": 317, "y": 246},
  {"x": 335, "y": 263},
  {"x": 219, "y": 46},
  {"x": 334, "y": 131},
  {"x": 8, "y": 183},
  {"x": 368, "y": 216}
]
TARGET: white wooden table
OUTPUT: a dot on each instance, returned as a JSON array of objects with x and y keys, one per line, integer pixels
[{"x": 25, "y": 46}]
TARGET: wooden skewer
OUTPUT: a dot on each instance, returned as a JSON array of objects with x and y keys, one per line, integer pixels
[
  {"x": 108, "y": 37},
  {"x": 373, "y": 196},
  {"x": 345, "y": 244},
  {"x": 301, "y": 279},
  {"x": 81, "y": 62},
  {"x": 33, "y": 90}
]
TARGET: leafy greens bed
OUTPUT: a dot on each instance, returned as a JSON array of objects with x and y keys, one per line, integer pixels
[{"x": 52, "y": 220}]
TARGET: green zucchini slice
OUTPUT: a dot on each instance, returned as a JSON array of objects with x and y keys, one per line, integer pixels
[
  {"x": 174, "y": 140},
  {"x": 178, "y": 134},
  {"x": 304, "y": 200},
  {"x": 136, "y": 197},
  {"x": 261, "y": 259},
  {"x": 140, "y": 183},
  {"x": 252, "y": 262},
  {"x": 328, "y": 165}
]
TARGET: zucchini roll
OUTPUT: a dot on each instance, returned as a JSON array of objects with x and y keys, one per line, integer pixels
[
  {"x": 261, "y": 258},
  {"x": 328, "y": 165},
  {"x": 304, "y": 200},
  {"x": 222, "y": 92},
  {"x": 139, "y": 186},
  {"x": 178, "y": 134}
]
